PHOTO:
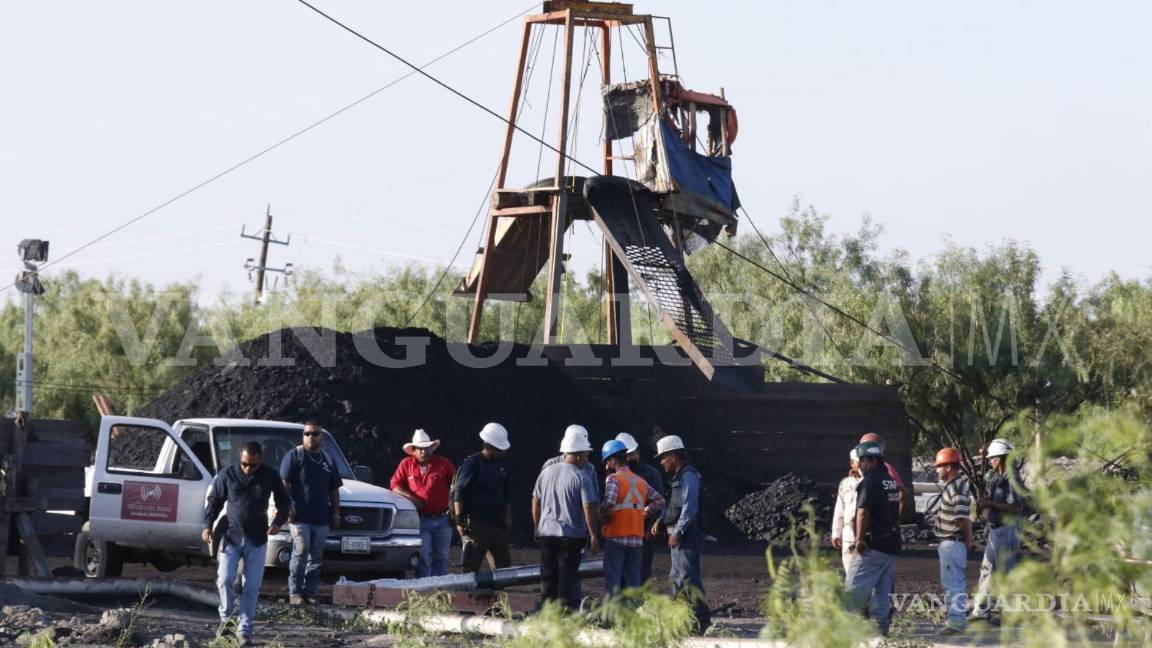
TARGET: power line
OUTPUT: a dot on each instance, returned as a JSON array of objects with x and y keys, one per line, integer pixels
[
  {"x": 276, "y": 145},
  {"x": 420, "y": 71}
]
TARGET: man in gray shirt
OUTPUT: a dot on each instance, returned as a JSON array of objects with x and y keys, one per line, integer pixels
[{"x": 564, "y": 502}]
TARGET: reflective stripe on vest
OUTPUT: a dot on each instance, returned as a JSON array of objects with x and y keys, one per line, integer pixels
[{"x": 627, "y": 519}]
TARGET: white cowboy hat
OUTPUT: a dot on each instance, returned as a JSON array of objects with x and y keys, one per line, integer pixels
[{"x": 420, "y": 439}]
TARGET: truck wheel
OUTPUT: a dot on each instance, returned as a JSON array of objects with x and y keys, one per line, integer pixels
[{"x": 97, "y": 558}]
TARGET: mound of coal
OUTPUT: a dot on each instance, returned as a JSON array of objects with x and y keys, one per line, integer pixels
[
  {"x": 769, "y": 514},
  {"x": 372, "y": 410}
]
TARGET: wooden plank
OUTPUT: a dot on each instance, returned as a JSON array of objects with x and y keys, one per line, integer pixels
[
  {"x": 63, "y": 499},
  {"x": 57, "y": 454},
  {"x": 57, "y": 546},
  {"x": 30, "y": 548},
  {"x": 530, "y": 210},
  {"x": 25, "y": 504},
  {"x": 56, "y": 523},
  {"x": 72, "y": 477}
]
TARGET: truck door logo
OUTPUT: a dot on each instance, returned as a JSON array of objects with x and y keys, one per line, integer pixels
[{"x": 151, "y": 501}]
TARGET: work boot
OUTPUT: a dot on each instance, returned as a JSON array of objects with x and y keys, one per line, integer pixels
[
  {"x": 226, "y": 628},
  {"x": 297, "y": 599},
  {"x": 242, "y": 641}
]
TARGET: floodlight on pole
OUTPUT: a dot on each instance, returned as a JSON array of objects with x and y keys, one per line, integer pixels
[{"x": 32, "y": 253}]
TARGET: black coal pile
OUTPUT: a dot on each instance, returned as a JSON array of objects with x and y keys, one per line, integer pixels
[
  {"x": 372, "y": 410},
  {"x": 769, "y": 514}
]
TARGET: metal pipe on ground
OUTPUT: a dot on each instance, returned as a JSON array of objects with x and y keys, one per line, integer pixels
[
  {"x": 118, "y": 586},
  {"x": 498, "y": 579}
]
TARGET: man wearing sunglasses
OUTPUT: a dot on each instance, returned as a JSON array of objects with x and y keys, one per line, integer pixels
[
  {"x": 245, "y": 487},
  {"x": 314, "y": 484}
]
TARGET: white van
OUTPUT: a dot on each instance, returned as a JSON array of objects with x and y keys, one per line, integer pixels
[{"x": 148, "y": 484}]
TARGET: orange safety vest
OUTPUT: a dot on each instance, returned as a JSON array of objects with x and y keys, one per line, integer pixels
[{"x": 627, "y": 516}]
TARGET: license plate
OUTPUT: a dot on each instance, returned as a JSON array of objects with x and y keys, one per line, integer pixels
[{"x": 355, "y": 545}]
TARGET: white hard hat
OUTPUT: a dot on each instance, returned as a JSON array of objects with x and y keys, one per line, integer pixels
[
  {"x": 496, "y": 436},
  {"x": 998, "y": 448},
  {"x": 575, "y": 440},
  {"x": 628, "y": 440},
  {"x": 668, "y": 444}
]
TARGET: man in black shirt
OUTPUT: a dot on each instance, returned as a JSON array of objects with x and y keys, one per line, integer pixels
[
  {"x": 877, "y": 536},
  {"x": 246, "y": 488},
  {"x": 482, "y": 502}
]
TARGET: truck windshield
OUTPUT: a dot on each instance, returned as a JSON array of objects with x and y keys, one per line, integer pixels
[{"x": 276, "y": 442}]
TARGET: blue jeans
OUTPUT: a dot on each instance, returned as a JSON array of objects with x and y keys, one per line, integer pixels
[
  {"x": 872, "y": 576},
  {"x": 229, "y": 564},
  {"x": 435, "y": 536},
  {"x": 687, "y": 583},
  {"x": 953, "y": 561},
  {"x": 621, "y": 566},
  {"x": 1000, "y": 555},
  {"x": 307, "y": 554}
]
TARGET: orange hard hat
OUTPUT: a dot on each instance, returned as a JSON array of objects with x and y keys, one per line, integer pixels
[{"x": 947, "y": 456}]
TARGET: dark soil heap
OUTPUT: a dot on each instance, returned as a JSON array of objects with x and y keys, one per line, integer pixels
[
  {"x": 769, "y": 514},
  {"x": 372, "y": 410}
]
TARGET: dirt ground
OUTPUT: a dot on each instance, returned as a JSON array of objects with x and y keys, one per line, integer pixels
[{"x": 735, "y": 577}]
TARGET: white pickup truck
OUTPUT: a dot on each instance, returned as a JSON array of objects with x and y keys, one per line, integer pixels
[{"x": 148, "y": 484}]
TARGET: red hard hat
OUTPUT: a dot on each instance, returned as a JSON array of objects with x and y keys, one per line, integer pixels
[
  {"x": 871, "y": 436},
  {"x": 947, "y": 456}
]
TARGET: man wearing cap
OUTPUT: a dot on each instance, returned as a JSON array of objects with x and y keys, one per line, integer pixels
[
  {"x": 482, "y": 501},
  {"x": 314, "y": 482},
  {"x": 844, "y": 514},
  {"x": 1002, "y": 505},
  {"x": 954, "y": 533},
  {"x": 627, "y": 501},
  {"x": 877, "y": 536},
  {"x": 564, "y": 502},
  {"x": 424, "y": 478},
  {"x": 651, "y": 475},
  {"x": 682, "y": 524}
]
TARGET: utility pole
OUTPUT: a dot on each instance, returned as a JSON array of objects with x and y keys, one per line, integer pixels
[
  {"x": 32, "y": 252},
  {"x": 265, "y": 237}
]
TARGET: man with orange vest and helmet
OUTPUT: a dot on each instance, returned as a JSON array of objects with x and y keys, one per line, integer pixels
[
  {"x": 627, "y": 500},
  {"x": 954, "y": 533}
]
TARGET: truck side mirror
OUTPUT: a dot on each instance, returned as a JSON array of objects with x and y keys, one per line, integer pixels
[{"x": 362, "y": 473}]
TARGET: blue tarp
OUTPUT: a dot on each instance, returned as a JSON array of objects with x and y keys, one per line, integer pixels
[{"x": 709, "y": 177}]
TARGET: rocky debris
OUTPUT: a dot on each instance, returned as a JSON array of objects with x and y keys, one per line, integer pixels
[
  {"x": 770, "y": 514},
  {"x": 21, "y": 623},
  {"x": 174, "y": 640}
]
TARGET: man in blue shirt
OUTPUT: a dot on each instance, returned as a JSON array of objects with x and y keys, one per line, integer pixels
[
  {"x": 1001, "y": 553},
  {"x": 314, "y": 483},
  {"x": 245, "y": 487},
  {"x": 682, "y": 524}
]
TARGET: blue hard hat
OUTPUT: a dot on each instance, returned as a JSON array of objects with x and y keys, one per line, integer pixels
[{"x": 611, "y": 448}]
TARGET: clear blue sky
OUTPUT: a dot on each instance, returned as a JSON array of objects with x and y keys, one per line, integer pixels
[{"x": 975, "y": 121}]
